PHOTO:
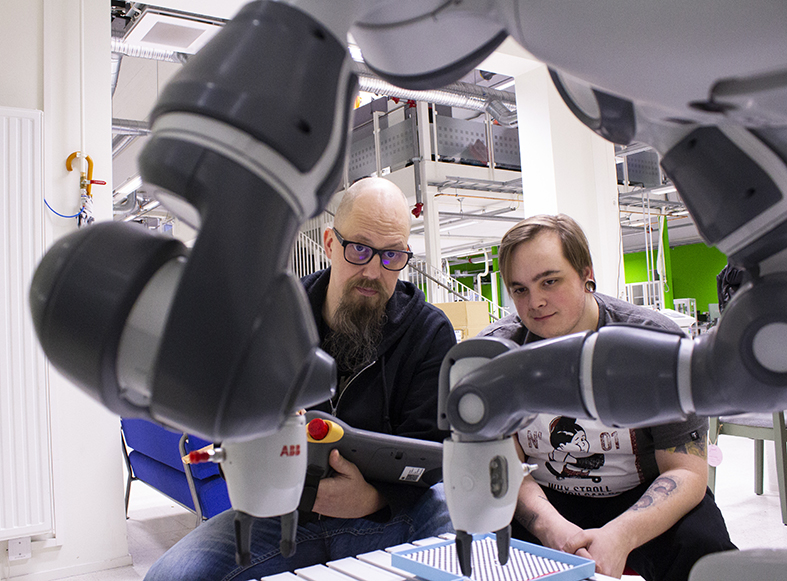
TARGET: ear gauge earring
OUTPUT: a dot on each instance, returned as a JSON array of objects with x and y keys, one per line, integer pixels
[{"x": 590, "y": 286}]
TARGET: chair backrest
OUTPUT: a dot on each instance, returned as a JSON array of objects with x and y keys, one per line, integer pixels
[
  {"x": 161, "y": 444},
  {"x": 156, "y": 459}
]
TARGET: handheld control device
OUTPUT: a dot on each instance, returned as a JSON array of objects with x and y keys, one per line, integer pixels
[{"x": 379, "y": 457}]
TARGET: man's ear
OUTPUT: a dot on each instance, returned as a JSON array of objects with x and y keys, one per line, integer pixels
[
  {"x": 587, "y": 273},
  {"x": 327, "y": 242}
]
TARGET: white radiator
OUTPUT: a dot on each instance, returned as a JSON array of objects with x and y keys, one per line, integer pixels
[{"x": 25, "y": 475}]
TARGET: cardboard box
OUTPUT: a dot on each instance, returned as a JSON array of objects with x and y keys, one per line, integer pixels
[{"x": 467, "y": 317}]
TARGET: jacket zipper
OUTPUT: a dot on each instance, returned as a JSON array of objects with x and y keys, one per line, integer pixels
[{"x": 346, "y": 387}]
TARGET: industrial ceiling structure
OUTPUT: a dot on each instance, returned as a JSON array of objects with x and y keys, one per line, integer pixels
[{"x": 150, "y": 44}]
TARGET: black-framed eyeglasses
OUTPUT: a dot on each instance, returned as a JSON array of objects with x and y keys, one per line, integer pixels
[{"x": 360, "y": 254}]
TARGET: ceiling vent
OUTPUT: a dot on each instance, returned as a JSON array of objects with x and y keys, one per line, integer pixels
[{"x": 171, "y": 31}]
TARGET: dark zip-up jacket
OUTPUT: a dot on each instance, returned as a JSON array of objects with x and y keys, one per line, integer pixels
[{"x": 397, "y": 394}]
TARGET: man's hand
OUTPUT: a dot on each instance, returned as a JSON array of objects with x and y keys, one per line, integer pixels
[
  {"x": 346, "y": 494},
  {"x": 537, "y": 515},
  {"x": 607, "y": 549},
  {"x": 678, "y": 489}
]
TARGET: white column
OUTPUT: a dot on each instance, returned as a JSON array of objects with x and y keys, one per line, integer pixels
[
  {"x": 431, "y": 214},
  {"x": 45, "y": 74},
  {"x": 566, "y": 168}
]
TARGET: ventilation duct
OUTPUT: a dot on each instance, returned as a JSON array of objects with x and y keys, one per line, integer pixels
[
  {"x": 126, "y": 131},
  {"x": 459, "y": 94},
  {"x": 501, "y": 113},
  {"x": 130, "y": 127},
  {"x": 116, "y": 59},
  {"x": 156, "y": 54}
]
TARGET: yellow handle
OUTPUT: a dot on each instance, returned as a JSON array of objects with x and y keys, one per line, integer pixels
[{"x": 85, "y": 181}]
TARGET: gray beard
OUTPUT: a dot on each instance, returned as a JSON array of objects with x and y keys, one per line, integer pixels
[{"x": 356, "y": 334}]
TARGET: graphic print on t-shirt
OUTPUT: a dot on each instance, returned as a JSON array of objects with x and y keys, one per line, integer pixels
[
  {"x": 580, "y": 456},
  {"x": 570, "y": 451}
]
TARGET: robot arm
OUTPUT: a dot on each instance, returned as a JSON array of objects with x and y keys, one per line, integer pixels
[
  {"x": 719, "y": 122},
  {"x": 623, "y": 375},
  {"x": 218, "y": 340},
  {"x": 248, "y": 141}
]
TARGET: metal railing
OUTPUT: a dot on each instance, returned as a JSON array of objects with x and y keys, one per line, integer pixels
[
  {"x": 308, "y": 256},
  {"x": 450, "y": 289}
]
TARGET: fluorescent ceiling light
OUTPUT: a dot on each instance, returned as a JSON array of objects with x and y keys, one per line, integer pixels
[
  {"x": 151, "y": 205},
  {"x": 450, "y": 227},
  {"x": 505, "y": 85},
  {"x": 131, "y": 185},
  {"x": 664, "y": 190}
]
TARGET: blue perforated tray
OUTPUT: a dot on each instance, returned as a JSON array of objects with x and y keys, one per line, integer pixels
[{"x": 526, "y": 561}]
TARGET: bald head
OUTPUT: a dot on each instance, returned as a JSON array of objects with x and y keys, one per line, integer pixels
[
  {"x": 376, "y": 199},
  {"x": 374, "y": 213}
]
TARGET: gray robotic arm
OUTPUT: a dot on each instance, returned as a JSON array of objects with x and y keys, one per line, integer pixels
[
  {"x": 248, "y": 141},
  {"x": 630, "y": 376},
  {"x": 623, "y": 375},
  {"x": 218, "y": 340},
  {"x": 719, "y": 120}
]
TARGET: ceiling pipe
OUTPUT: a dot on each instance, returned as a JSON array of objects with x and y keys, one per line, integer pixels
[
  {"x": 481, "y": 217},
  {"x": 459, "y": 94},
  {"x": 449, "y": 218},
  {"x": 130, "y": 127},
  {"x": 116, "y": 59},
  {"x": 170, "y": 56},
  {"x": 120, "y": 143},
  {"x": 126, "y": 132}
]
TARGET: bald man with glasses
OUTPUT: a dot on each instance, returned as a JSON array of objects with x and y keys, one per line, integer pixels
[{"x": 388, "y": 343}]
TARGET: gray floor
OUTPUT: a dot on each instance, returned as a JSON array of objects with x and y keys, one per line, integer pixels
[{"x": 155, "y": 523}]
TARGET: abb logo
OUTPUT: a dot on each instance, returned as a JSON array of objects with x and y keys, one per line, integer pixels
[{"x": 291, "y": 450}]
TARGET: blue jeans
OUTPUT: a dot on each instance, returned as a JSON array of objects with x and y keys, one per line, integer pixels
[{"x": 208, "y": 552}]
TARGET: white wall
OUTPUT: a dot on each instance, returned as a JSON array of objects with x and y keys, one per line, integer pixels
[
  {"x": 566, "y": 167},
  {"x": 41, "y": 70}
]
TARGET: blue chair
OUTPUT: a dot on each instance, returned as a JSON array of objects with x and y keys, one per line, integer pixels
[{"x": 153, "y": 455}]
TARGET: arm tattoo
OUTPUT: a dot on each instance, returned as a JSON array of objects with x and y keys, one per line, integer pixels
[
  {"x": 526, "y": 519},
  {"x": 661, "y": 488},
  {"x": 527, "y": 516},
  {"x": 697, "y": 448}
]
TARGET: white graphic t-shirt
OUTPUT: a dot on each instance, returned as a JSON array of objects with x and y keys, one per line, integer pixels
[
  {"x": 582, "y": 457},
  {"x": 585, "y": 457}
]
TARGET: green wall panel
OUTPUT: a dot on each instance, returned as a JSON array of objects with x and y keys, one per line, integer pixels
[
  {"x": 634, "y": 267},
  {"x": 695, "y": 267},
  {"x": 691, "y": 270}
]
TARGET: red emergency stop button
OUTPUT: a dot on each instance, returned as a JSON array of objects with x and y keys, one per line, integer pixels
[{"x": 318, "y": 429}]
